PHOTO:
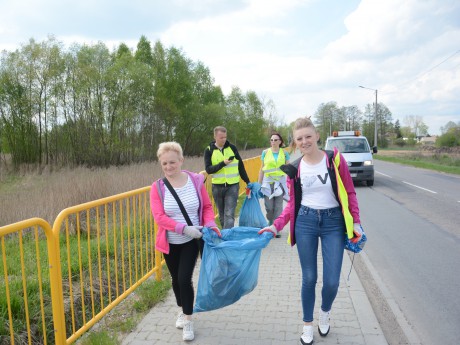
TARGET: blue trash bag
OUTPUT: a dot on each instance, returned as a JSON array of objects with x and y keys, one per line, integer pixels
[
  {"x": 251, "y": 213},
  {"x": 229, "y": 266},
  {"x": 255, "y": 187},
  {"x": 356, "y": 247}
]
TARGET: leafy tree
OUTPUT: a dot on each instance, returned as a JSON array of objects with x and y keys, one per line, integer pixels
[
  {"x": 123, "y": 49},
  {"x": 416, "y": 124},
  {"x": 234, "y": 117},
  {"x": 254, "y": 135},
  {"x": 161, "y": 107},
  {"x": 449, "y": 125},
  {"x": 397, "y": 129},
  {"x": 450, "y": 136},
  {"x": 327, "y": 119},
  {"x": 384, "y": 123},
  {"x": 271, "y": 115},
  {"x": 94, "y": 107},
  {"x": 144, "y": 51},
  {"x": 351, "y": 117},
  {"x": 385, "y": 126},
  {"x": 19, "y": 132},
  {"x": 206, "y": 108}
]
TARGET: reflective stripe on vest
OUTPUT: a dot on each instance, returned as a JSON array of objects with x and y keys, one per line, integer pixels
[
  {"x": 228, "y": 174},
  {"x": 271, "y": 166},
  {"x": 343, "y": 196}
]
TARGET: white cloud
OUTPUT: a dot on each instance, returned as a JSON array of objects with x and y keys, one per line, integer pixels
[{"x": 299, "y": 53}]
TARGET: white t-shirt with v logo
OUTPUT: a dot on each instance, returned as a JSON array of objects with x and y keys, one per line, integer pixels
[{"x": 316, "y": 185}]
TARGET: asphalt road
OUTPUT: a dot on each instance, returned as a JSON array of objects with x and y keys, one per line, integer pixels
[{"x": 412, "y": 218}]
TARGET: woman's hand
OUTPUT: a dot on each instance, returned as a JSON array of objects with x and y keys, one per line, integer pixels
[
  {"x": 216, "y": 230},
  {"x": 358, "y": 232},
  {"x": 193, "y": 231},
  {"x": 270, "y": 228}
]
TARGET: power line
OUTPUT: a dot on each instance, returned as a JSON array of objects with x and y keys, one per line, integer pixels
[{"x": 432, "y": 68}]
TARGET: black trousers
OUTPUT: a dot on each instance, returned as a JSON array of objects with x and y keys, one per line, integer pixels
[{"x": 181, "y": 262}]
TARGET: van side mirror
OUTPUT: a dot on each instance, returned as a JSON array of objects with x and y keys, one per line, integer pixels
[{"x": 374, "y": 149}]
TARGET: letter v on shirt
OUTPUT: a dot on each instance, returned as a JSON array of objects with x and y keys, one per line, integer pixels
[{"x": 325, "y": 178}]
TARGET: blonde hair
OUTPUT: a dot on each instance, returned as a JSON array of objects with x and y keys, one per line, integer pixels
[
  {"x": 220, "y": 129},
  {"x": 301, "y": 122},
  {"x": 170, "y": 146}
]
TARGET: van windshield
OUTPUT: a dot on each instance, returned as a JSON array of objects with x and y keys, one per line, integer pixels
[{"x": 348, "y": 145}]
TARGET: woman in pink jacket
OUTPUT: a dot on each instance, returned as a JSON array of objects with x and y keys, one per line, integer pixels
[
  {"x": 322, "y": 206},
  {"x": 175, "y": 239}
]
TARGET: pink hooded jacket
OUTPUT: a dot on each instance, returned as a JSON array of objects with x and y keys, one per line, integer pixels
[{"x": 165, "y": 223}]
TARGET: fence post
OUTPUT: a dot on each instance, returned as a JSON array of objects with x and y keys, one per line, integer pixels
[{"x": 57, "y": 298}]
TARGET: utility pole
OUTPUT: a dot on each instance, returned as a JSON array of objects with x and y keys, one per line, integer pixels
[
  {"x": 375, "y": 120},
  {"x": 375, "y": 116}
]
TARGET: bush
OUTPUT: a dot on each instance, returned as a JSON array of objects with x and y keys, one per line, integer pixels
[
  {"x": 449, "y": 139},
  {"x": 411, "y": 142},
  {"x": 400, "y": 142}
]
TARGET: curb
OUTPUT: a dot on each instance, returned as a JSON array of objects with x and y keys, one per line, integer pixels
[
  {"x": 400, "y": 318},
  {"x": 370, "y": 327}
]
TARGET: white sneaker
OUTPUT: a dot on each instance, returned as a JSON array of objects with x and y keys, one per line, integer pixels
[
  {"x": 187, "y": 331},
  {"x": 323, "y": 323},
  {"x": 180, "y": 321},
  {"x": 307, "y": 335}
]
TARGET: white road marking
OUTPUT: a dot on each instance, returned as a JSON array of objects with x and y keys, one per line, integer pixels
[
  {"x": 378, "y": 172},
  {"x": 414, "y": 185}
]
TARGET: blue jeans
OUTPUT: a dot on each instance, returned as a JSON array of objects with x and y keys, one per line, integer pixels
[
  {"x": 226, "y": 197},
  {"x": 329, "y": 226}
]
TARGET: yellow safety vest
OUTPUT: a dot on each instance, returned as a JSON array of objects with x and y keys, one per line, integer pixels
[
  {"x": 228, "y": 174},
  {"x": 343, "y": 196},
  {"x": 271, "y": 166}
]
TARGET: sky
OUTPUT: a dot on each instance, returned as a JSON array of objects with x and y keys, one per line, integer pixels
[{"x": 297, "y": 53}]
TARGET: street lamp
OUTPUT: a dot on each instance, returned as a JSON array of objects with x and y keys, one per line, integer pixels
[{"x": 375, "y": 117}]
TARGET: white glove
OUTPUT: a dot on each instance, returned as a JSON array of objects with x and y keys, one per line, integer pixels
[
  {"x": 193, "y": 231},
  {"x": 357, "y": 231}
]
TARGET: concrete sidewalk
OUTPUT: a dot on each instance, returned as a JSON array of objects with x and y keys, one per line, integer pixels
[{"x": 272, "y": 313}]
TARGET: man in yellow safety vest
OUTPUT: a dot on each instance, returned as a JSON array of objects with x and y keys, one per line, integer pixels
[{"x": 224, "y": 163}]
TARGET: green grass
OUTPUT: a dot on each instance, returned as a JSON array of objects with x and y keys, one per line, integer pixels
[
  {"x": 83, "y": 249},
  {"x": 125, "y": 317},
  {"x": 81, "y": 263},
  {"x": 10, "y": 182},
  {"x": 151, "y": 293},
  {"x": 100, "y": 338},
  {"x": 442, "y": 162}
]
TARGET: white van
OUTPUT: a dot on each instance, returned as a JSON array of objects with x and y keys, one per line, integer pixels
[{"x": 357, "y": 152}]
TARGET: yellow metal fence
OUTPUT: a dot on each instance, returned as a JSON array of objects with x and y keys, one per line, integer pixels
[{"x": 59, "y": 281}]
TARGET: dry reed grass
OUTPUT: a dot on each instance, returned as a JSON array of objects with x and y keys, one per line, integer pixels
[{"x": 45, "y": 193}]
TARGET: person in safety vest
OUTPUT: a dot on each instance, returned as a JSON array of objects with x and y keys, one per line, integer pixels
[
  {"x": 272, "y": 179},
  {"x": 224, "y": 163},
  {"x": 322, "y": 205}
]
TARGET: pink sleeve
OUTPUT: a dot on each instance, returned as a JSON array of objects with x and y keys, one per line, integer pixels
[
  {"x": 159, "y": 213},
  {"x": 350, "y": 188},
  {"x": 208, "y": 212}
]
